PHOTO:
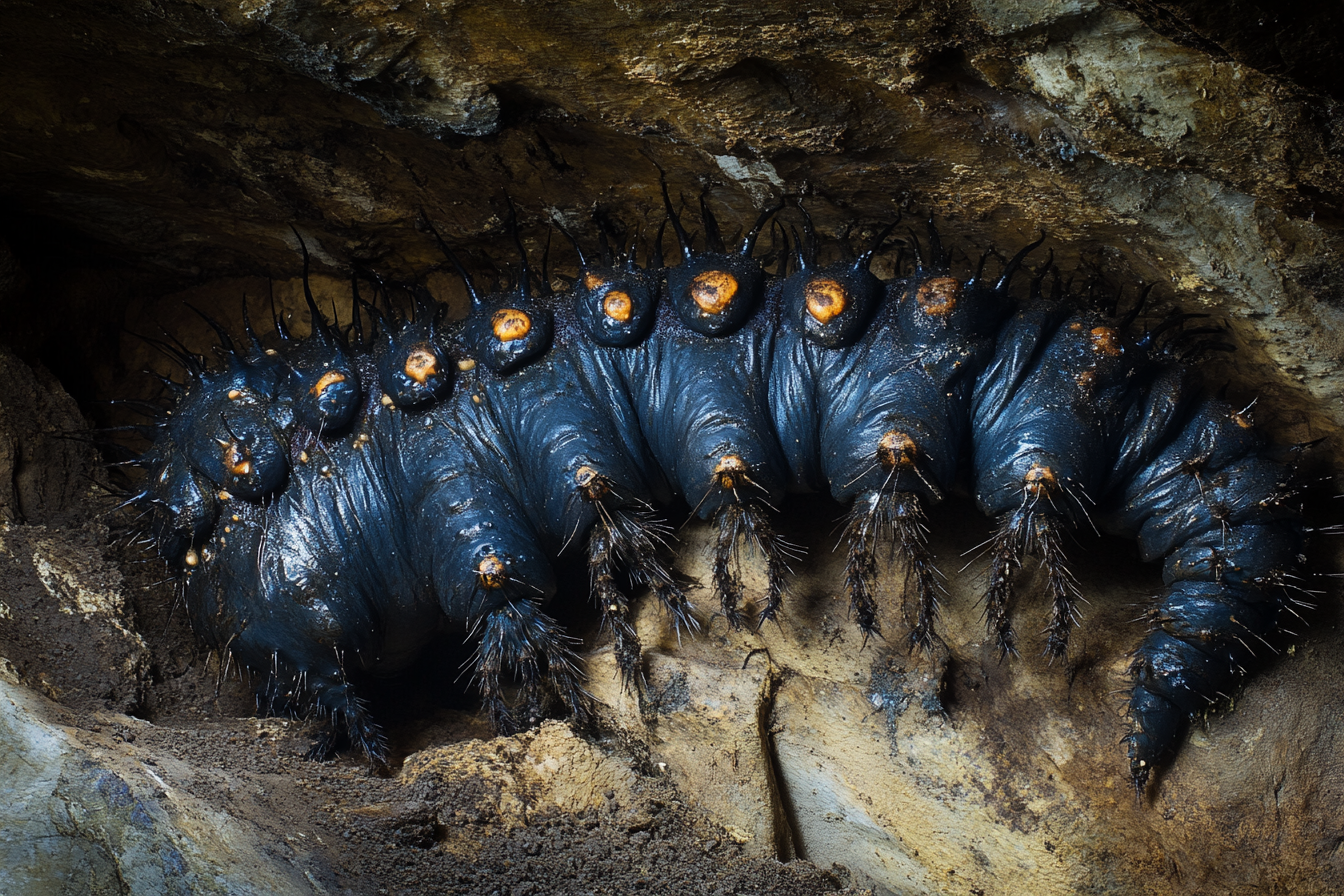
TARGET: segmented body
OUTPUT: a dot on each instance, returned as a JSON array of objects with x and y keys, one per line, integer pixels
[{"x": 338, "y": 502}]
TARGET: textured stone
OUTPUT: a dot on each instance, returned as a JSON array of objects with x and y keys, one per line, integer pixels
[
  {"x": 44, "y": 455},
  {"x": 78, "y": 814},
  {"x": 958, "y": 771},
  {"x": 1192, "y": 145}
]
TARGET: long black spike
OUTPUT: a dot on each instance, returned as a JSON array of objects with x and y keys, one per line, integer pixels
[
  {"x": 672, "y": 216},
  {"x": 656, "y": 257},
  {"x": 371, "y": 308},
  {"x": 573, "y": 241},
  {"x": 180, "y": 347},
  {"x": 807, "y": 246},
  {"x": 938, "y": 256},
  {"x": 319, "y": 323},
  {"x": 864, "y": 260},
  {"x": 546, "y": 265},
  {"x": 915, "y": 247},
  {"x": 135, "y": 405},
  {"x": 280, "y": 329},
  {"x": 789, "y": 255},
  {"x": 630, "y": 261},
  {"x": 356, "y": 321},
  {"x": 1016, "y": 262},
  {"x": 180, "y": 353},
  {"x": 749, "y": 241},
  {"x": 251, "y": 333},
  {"x": 225, "y": 341},
  {"x": 167, "y": 382},
  {"x": 167, "y": 351},
  {"x": 457, "y": 266},
  {"x": 384, "y": 292},
  {"x": 980, "y": 265},
  {"x": 1132, "y": 314},
  {"x": 424, "y": 307},
  {"x": 524, "y": 274}
]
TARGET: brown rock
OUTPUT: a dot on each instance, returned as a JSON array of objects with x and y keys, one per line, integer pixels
[{"x": 1196, "y": 146}]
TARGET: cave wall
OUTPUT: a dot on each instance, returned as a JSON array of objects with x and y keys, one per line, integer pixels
[
  {"x": 152, "y": 152},
  {"x": 1144, "y": 140}
]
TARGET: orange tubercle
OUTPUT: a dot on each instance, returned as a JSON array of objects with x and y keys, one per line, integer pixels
[
  {"x": 1040, "y": 481},
  {"x": 509, "y": 324},
  {"x": 895, "y": 449},
  {"x": 938, "y": 296},
  {"x": 618, "y": 306},
  {"x": 491, "y": 572},
  {"x": 729, "y": 470},
  {"x": 826, "y": 299},
  {"x": 713, "y": 291},
  {"x": 421, "y": 364},
  {"x": 327, "y": 379},
  {"x": 1106, "y": 341}
]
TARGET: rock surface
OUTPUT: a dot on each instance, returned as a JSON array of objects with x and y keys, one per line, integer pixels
[
  {"x": 156, "y": 152},
  {"x": 958, "y": 772},
  {"x": 192, "y": 135},
  {"x": 82, "y": 814}
]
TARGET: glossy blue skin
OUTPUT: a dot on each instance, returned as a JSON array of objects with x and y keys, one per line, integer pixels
[
  {"x": 909, "y": 372},
  {"x": 363, "y": 564},
  {"x": 1050, "y": 398},
  {"x": 1139, "y": 453},
  {"x": 698, "y": 399},
  {"x": 319, "y": 584},
  {"x": 1223, "y": 569},
  {"x": 552, "y": 421}
]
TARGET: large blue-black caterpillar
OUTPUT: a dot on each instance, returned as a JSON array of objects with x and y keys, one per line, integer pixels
[{"x": 334, "y": 502}]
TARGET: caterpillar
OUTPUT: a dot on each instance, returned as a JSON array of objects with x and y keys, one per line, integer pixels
[{"x": 334, "y": 502}]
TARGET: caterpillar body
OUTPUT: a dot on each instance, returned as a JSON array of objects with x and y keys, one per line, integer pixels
[{"x": 337, "y": 501}]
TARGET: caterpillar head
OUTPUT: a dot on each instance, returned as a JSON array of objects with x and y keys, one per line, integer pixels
[
  {"x": 227, "y": 436},
  {"x": 243, "y": 454},
  {"x": 182, "y": 504}
]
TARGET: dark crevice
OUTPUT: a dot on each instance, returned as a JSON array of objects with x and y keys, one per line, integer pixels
[{"x": 788, "y": 842}]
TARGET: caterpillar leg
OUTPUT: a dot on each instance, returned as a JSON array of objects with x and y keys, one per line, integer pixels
[
  {"x": 638, "y": 541},
  {"x": 520, "y": 637},
  {"x": 1031, "y": 530},
  {"x": 748, "y": 523},
  {"x": 325, "y": 692},
  {"x": 350, "y": 724},
  {"x": 627, "y": 539},
  {"x": 602, "y": 564},
  {"x": 898, "y": 519}
]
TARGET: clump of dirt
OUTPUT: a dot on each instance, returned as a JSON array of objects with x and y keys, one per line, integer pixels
[{"x": 469, "y": 816}]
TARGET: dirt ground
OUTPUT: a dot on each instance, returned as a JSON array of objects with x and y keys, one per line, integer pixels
[{"x": 432, "y": 822}]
